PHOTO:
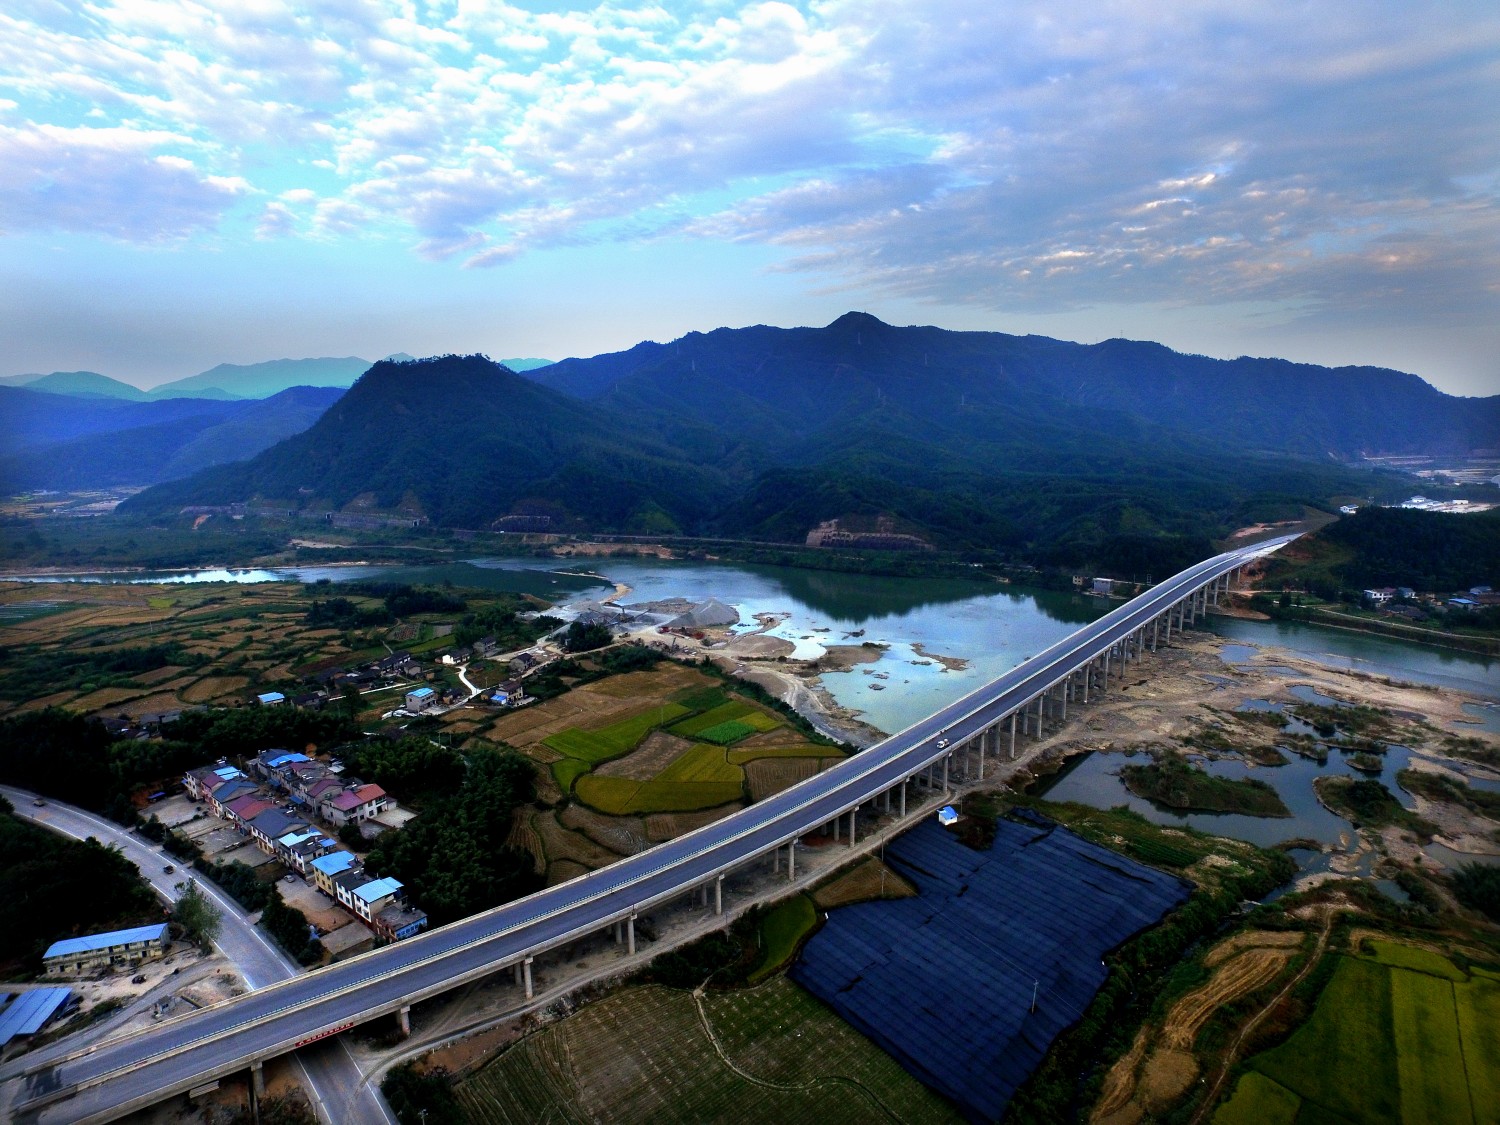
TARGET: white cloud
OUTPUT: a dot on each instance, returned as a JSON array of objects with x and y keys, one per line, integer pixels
[
  {"x": 1022, "y": 155},
  {"x": 107, "y": 181}
]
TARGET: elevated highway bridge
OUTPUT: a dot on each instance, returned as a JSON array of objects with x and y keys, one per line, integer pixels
[{"x": 111, "y": 1079}]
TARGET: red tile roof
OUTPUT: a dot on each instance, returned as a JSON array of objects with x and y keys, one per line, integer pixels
[{"x": 249, "y": 806}]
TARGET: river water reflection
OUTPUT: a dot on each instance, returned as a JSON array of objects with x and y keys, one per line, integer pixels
[{"x": 992, "y": 627}]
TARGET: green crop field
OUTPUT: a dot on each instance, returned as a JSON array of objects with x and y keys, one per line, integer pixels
[
  {"x": 1401, "y": 956},
  {"x": 702, "y": 763},
  {"x": 1429, "y": 1056},
  {"x": 1259, "y": 1101},
  {"x": 725, "y": 733},
  {"x": 616, "y": 739},
  {"x": 620, "y": 796},
  {"x": 739, "y": 757},
  {"x": 644, "y": 1056},
  {"x": 1404, "y": 1036},
  {"x": 781, "y": 932},
  {"x": 723, "y": 713},
  {"x": 568, "y": 770},
  {"x": 1478, "y": 1005},
  {"x": 701, "y": 699}
]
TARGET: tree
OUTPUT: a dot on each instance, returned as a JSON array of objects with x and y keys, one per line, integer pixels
[
  {"x": 582, "y": 638},
  {"x": 197, "y": 915}
]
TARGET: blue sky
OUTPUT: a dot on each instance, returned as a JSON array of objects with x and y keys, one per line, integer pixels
[{"x": 185, "y": 183}]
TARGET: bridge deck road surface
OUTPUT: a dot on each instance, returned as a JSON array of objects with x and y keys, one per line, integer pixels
[
  {"x": 271, "y": 1020},
  {"x": 332, "y": 1079}
]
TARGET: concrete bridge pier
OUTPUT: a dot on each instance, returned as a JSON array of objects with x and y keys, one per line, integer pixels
[
  {"x": 403, "y": 1021},
  {"x": 1012, "y": 734},
  {"x": 526, "y": 971},
  {"x": 258, "y": 1079},
  {"x": 719, "y": 895},
  {"x": 629, "y": 937}
]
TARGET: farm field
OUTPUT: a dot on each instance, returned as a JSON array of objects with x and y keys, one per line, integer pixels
[
  {"x": 1400, "y": 1036},
  {"x": 644, "y": 1055},
  {"x": 639, "y": 757}
]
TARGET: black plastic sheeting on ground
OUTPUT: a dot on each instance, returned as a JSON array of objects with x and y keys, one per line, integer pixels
[{"x": 944, "y": 981}]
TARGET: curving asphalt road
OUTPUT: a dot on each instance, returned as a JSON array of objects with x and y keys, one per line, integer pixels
[
  {"x": 332, "y": 1080},
  {"x": 114, "y": 1079}
]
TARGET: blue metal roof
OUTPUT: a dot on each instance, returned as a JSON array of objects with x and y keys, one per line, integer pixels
[
  {"x": 90, "y": 942},
  {"x": 283, "y": 758},
  {"x": 272, "y": 697},
  {"x": 334, "y": 862},
  {"x": 29, "y": 1010},
  {"x": 378, "y": 889},
  {"x": 421, "y": 691}
]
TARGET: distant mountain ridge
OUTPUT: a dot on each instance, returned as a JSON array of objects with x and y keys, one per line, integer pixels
[
  {"x": 224, "y": 381},
  {"x": 1270, "y": 405},
  {"x": 52, "y": 441},
  {"x": 970, "y": 440}
]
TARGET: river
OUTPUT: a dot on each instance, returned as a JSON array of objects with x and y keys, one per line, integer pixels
[{"x": 992, "y": 627}]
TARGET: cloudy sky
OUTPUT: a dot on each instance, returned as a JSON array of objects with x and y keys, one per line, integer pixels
[{"x": 187, "y": 183}]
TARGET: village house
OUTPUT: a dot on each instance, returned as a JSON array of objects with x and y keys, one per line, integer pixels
[
  {"x": 508, "y": 693},
  {"x": 270, "y": 826},
  {"x": 270, "y": 699},
  {"x": 420, "y": 699},
  {"x": 92, "y": 953},
  {"x": 220, "y": 797},
  {"x": 354, "y": 805},
  {"x": 200, "y": 782},
  {"x": 326, "y": 867},
  {"x": 298, "y": 848}
]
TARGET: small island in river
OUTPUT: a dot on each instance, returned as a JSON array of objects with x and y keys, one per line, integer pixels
[{"x": 1176, "y": 783}]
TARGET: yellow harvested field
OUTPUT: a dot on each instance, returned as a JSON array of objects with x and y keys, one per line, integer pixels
[
  {"x": 104, "y": 697},
  {"x": 668, "y": 826},
  {"x": 1235, "y": 978},
  {"x": 771, "y": 739},
  {"x": 56, "y": 699},
  {"x": 524, "y": 836},
  {"x": 1276, "y": 939},
  {"x": 158, "y": 701},
  {"x": 665, "y": 679},
  {"x": 769, "y": 776},
  {"x": 216, "y": 687},
  {"x": 565, "y": 843},
  {"x": 157, "y": 675},
  {"x": 648, "y": 759},
  {"x": 564, "y": 871},
  {"x": 623, "y": 834},
  {"x": 865, "y": 882}
]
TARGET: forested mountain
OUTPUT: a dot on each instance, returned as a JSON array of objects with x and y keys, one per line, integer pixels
[
  {"x": 464, "y": 440},
  {"x": 60, "y": 442},
  {"x": 745, "y": 445},
  {"x": 1376, "y": 547},
  {"x": 37, "y": 418},
  {"x": 788, "y": 383}
]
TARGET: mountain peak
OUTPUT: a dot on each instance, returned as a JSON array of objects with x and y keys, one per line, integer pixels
[{"x": 857, "y": 322}]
